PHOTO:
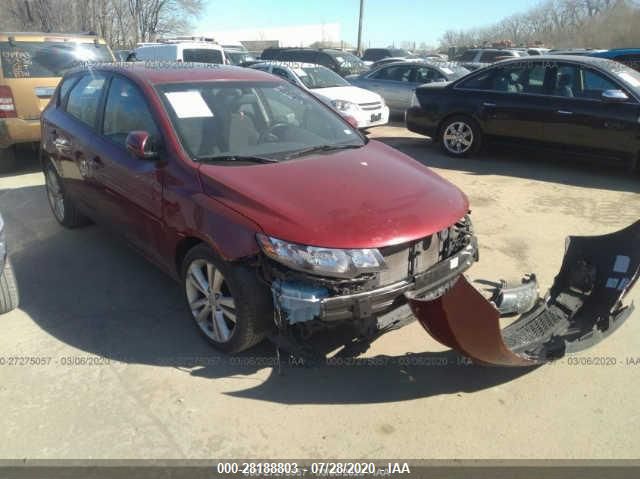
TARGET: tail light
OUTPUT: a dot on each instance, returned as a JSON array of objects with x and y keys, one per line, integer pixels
[{"x": 7, "y": 106}]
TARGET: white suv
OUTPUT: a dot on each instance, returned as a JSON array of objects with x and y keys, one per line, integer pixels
[
  {"x": 364, "y": 107},
  {"x": 180, "y": 51}
]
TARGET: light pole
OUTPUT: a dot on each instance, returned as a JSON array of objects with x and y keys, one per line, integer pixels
[{"x": 360, "y": 28}]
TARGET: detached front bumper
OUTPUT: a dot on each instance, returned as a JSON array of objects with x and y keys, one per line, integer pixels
[
  {"x": 584, "y": 305},
  {"x": 430, "y": 283}
]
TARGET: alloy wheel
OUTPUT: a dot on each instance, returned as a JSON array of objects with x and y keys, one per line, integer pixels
[
  {"x": 212, "y": 306},
  {"x": 458, "y": 137}
]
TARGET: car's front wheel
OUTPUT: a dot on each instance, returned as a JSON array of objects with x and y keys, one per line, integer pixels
[
  {"x": 460, "y": 136},
  {"x": 9, "y": 298},
  {"x": 61, "y": 205},
  {"x": 227, "y": 301}
]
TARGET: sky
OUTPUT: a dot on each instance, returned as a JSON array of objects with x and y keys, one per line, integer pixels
[{"x": 385, "y": 21}]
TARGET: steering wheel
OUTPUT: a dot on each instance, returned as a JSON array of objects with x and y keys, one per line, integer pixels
[{"x": 269, "y": 135}]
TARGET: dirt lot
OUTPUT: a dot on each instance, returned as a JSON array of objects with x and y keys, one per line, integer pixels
[{"x": 162, "y": 392}]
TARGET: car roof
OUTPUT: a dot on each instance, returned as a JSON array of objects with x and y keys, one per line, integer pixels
[
  {"x": 565, "y": 58},
  {"x": 179, "y": 72},
  {"x": 615, "y": 52},
  {"x": 289, "y": 64}
]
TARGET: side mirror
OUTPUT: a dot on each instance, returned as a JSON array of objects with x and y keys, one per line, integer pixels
[
  {"x": 139, "y": 144},
  {"x": 614, "y": 96}
]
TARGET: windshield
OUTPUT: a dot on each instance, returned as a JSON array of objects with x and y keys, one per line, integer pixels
[
  {"x": 348, "y": 59},
  {"x": 398, "y": 52},
  {"x": 319, "y": 77},
  {"x": 237, "y": 57},
  {"x": 48, "y": 59},
  {"x": 240, "y": 119}
]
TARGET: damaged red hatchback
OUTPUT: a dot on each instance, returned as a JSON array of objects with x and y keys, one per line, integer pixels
[
  {"x": 276, "y": 215},
  {"x": 254, "y": 194}
]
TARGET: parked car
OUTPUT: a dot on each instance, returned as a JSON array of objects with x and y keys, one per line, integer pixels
[
  {"x": 477, "y": 58},
  {"x": 31, "y": 67},
  {"x": 372, "y": 55},
  {"x": 343, "y": 63},
  {"x": 9, "y": 297},
  {"x": 274, "y": 213},
  {"x": 586, "y": 104},
  {"x": 397, "y": 81},
  {"x": 628, "y": 56},
  {"x": 364, "y": 108},
  {"x": 122, "y": 55},
  {"x": 537, "y": 51},
  {"x": 179, "y": 51},
  {"x": 238, "y": 57}
]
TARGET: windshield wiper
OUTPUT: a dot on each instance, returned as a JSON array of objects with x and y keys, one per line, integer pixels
[
  {"x": 253, "y": 159},
  {"x": 314, "y": 149}
]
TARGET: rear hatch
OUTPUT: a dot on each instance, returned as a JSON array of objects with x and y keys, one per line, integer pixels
[{"x": 32, "y": 69}]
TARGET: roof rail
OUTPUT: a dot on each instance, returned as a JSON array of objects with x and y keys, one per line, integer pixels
[{"x": 184, "y": 38}]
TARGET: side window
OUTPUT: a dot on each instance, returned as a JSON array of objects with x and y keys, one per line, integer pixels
[
  {"x": 126, "y": 111},
  {"x": 510, "y": 79},
  {"x": 65, "y": 86},
  {"x": 422, "y": 75},
  {"x": 84, "y": 98},
  {"x": 281, "y": 73},
  {"x": 468, "y": 56},
  {"x": 594, "y": 83},
  {"x": 326, "y": 60},
  {"x": 481, "y": 81},
  {"x": 535, "y": 80},
  {"x": 566, "y": 81},
  {"x": 490, "y": 57},
  {"x": 394, "y": 73}
]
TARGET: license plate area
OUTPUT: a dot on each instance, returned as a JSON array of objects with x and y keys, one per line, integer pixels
[{"x": 376, "y": 117}]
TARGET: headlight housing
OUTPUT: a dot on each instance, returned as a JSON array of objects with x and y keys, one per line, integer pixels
[
  {"x": 340, "y": 263},
  {"x": 344, "y": 105}
]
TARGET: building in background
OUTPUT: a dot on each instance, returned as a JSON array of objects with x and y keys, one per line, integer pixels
[{"x": 292, "y": 36}]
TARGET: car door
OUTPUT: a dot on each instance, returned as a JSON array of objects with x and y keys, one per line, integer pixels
[
  {"x": 70, "y": 138},
  {"x": 391, "y": 82},
  {"x": 130, "y": 187},
  {"x": 584, "y": 120},
  {"x": 509, "y": 100}
]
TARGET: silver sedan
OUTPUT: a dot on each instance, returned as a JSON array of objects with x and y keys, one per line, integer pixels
[{"x": 396, "y": 82}]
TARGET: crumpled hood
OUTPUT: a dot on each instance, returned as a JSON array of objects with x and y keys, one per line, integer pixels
[
  {"x": 348, "y": 93},
  {"x": 363, "y": 198}
]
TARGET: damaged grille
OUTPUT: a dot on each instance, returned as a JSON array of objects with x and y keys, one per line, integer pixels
[{"x": 408, "y": 259}]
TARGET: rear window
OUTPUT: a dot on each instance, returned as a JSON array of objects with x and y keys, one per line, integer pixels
[
  {"x": 48, "y": 59},
  {"x": 202, "y": 55}
]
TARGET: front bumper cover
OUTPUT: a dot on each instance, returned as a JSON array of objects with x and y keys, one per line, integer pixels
[{"x": 583, "y": 306}]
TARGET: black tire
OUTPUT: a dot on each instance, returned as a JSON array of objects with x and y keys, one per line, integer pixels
[
  {"x": 252, "y": 298},
  {"x": 8, "y": 161},
  {"x": 469, "y": 125},
  {"x": 9, "y": 297},
  {"x": 64, "y": 212}
]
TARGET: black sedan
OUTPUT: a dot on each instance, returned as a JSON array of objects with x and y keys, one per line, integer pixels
[{"x": 587, "y": 105}]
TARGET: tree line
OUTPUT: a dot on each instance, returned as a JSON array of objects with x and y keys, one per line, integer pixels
[
  {"x": 560, "y": 24},
  {"x": 122, "y": 23}
]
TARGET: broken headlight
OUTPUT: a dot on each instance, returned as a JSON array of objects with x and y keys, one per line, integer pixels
[{"x": 339, "y": 263}]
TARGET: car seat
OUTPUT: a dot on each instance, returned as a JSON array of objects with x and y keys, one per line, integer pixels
[{"x": 564, "y": 85}]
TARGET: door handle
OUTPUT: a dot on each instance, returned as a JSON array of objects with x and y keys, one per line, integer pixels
[
  {"x": 488, "y": 103},
  {"x": 565, "y": 112}
]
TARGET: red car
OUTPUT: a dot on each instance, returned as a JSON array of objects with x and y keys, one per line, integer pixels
[
  {"x": 273, "y": 211},
  {"x": 280, "y": 219}
]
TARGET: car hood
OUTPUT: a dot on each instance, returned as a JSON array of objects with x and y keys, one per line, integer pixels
[
  {"x": 370, "y": 197},
  {"x": 348, "y": 93}
]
